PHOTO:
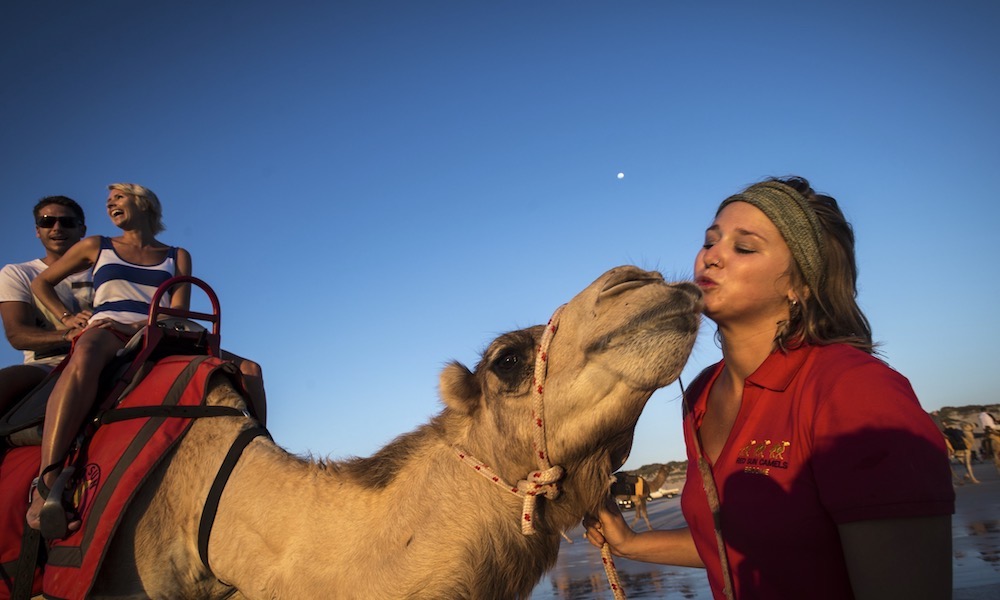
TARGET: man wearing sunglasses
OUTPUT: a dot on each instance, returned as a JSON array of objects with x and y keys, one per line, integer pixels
[{"x": 59, "y": 223}]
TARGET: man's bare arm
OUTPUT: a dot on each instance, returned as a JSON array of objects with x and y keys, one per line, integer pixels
[{"x": 24, "y": 334}]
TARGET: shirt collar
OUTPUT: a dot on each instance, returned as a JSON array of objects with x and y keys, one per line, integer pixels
[{"x": 779, "y": 368}]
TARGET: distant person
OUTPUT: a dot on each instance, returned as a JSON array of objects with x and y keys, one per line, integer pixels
[
  {"x": 826, "y": 478},
  {"x": 29, "y": 326}
]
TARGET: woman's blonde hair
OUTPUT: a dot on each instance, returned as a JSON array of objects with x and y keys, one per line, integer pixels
[{"x": 147, "y": 201}]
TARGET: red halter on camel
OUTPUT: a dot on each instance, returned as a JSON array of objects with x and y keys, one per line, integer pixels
[{"x": 545, "y": 480}]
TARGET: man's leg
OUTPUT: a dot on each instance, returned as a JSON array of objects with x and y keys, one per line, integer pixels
[
  {"x": 253, "y": 379},
  {"x": 16, "y": 381}
]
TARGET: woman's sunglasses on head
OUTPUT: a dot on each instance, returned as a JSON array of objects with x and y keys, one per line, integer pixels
[{"x": 48, "y": 222}]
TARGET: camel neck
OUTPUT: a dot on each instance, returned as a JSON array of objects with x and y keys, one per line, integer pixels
[
  {"x": 659, "y": 480},
  {"x": 278, "y": 508}
]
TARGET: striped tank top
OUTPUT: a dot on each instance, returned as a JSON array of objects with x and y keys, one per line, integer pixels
[{"x": 123, "y": 290}]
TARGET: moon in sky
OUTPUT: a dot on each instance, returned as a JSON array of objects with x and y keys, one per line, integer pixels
[{"x": 621, "y": 176}]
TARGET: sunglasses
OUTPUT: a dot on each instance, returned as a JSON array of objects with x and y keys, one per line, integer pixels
[{"x": 48, "y": 222}]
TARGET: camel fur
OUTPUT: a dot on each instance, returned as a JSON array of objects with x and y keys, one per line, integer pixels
[
  {"x": 994, "y": 437},
  {"x": 413, "y": 521}
]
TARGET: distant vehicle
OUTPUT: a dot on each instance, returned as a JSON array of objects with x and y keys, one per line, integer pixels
[
  {"x": 665, "y": 493},
  {"x": 624, "y": 502}
]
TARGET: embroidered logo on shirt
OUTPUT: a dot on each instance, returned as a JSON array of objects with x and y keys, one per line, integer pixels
[{"x": 761, "y": 457}]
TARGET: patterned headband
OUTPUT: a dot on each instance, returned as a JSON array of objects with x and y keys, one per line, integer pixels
[{"x": 796, "y": 221}]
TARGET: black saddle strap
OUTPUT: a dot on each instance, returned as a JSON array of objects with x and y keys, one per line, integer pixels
[
  {"x": 27, "y": 561},
  {"x": 215, "y": 492},
  {"x": 184, "y": 412}
]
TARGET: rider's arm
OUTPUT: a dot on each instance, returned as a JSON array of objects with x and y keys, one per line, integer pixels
[
  {"x": 24, "y": 334},
  {"x": 79, "y": 257},
  {"x": 180, "y": 297}
]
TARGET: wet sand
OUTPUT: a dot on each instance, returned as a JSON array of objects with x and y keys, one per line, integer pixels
[
  {"x": 976, "y": 536},
  {"x": 579, "y": 575}
]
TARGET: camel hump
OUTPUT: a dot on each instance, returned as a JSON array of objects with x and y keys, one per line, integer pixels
[
  {"x": 956, "y": 438},
  {"x": 625, "y": 484}
]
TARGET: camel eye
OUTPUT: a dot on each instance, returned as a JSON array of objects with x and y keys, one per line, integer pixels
[{"x": 507, "y": 362}]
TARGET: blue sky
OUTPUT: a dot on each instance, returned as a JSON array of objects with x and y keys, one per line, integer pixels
[{"x": 376, "y": 188}]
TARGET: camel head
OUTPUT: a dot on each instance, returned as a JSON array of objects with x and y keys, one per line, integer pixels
[{"x": 624, "y": 336}]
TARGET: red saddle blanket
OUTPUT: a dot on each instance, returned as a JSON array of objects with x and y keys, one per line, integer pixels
[{"x": 113, "y": 465}]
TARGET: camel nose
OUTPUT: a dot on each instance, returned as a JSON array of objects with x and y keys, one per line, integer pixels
[
  {"x": 692, "y": 291},
  {"x": 688, "y": 287},
  {"x": 631, "y": 275}
]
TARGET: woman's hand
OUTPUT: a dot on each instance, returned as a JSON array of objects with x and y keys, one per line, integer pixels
[
  {"x": 660, "y": 546},
  {"x": 609, "y": 527},
  {"x": 126, "y": 328}
]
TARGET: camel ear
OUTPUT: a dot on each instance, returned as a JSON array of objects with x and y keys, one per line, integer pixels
[{"x": 459, "y": 388}]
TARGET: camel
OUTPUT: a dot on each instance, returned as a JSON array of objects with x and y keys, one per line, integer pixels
[
  {"x": 960, "y": 448},
  {"x": 421, "y": 518},
  {"x": 994, "y": 436},
  {"x": 642, "y": 491}
]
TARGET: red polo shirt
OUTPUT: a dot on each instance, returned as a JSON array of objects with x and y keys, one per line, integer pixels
[{"x": 825, "y": 435}]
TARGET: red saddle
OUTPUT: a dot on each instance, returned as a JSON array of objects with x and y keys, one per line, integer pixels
[{"x": 149, "y": 404}]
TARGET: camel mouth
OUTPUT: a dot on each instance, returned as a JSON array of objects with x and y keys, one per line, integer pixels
[
  {"x": 694, "y": 291},
  {"x": 650, "y": 332}
]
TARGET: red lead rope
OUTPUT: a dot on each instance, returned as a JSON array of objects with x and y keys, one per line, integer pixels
[
  {"x": 712, "y": 493},
  {"x": 545, "y": 480}
]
